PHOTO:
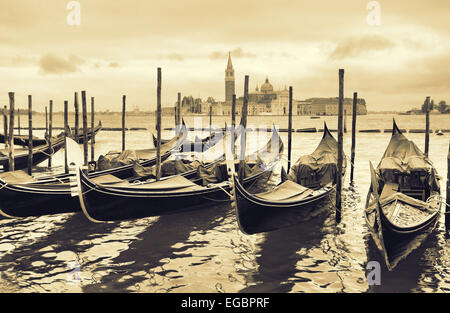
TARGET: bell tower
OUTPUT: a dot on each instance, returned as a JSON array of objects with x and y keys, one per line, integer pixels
[{"x": 229, "y": 80}]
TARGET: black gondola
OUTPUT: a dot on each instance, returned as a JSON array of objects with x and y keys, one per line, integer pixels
[
  {"x": 22, "y": 195},
  {"x": 40, "y": 154},
  {"x": 23, "y": 140},
  {"x": 109, "y": 199},
  {"x": 303, "y": 194},
  {"x": 403, "y": 203}
]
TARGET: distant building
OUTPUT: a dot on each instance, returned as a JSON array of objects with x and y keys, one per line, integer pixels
[
  {"x": 263, "y": 101},
  {"x": 266, "y": 101},
  {"x": 329, "y": 106}
]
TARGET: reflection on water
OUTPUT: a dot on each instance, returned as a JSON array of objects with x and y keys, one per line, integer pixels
[{"x": 204, "y": 251}]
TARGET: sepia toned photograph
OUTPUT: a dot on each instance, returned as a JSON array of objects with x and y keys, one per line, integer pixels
[{"x": 224, "y": 151}]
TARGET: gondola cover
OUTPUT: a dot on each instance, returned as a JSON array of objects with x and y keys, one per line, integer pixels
[
  {"x": 402, "y": 156},
  {"x": 318, "y": 168}
]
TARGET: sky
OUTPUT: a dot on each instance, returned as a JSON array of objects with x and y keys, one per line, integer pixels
[{"x": 394, "y": 53}]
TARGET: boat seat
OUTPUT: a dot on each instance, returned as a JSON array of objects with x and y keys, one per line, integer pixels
[
  {"x": 414, "y": 193},
  {"x": 285, "y": 191},
  {"x": 106, "y": 179},
  {"x": 389, "y": 189},
  {"x": 176, "y": 183},
  {"x": 17, "y": 177}
]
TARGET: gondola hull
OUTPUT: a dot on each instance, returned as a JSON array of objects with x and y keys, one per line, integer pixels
[
  {"x": 40, "y": 154},
  {"x": 23, "y": 140},
  {"x": 256, "y": 215},
  {"x": 109, "y": 204},
  {"x": 393, "y": 242},
  {"x": 403, "y": 203},
  {"x": 52, "y": 195},
  {"x": 25, "y": 201},
  {"x": 119, "y": 200}
]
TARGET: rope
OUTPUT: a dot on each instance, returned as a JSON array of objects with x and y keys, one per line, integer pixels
[
  {"x": 441, "y": 201},
  {"x": 221, "y": 188}
]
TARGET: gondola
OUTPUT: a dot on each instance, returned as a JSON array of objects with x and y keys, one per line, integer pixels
[
  {"x": 403, "y": 203},
  {"x": 110, "y": 199},
  {"x": 22, "y": 195},
  {"x": 303, "y": 194},
  {"x": 198, "y": 145},
  {"x": 23, "y": 140},
  {"x": 40, "y": 154}
]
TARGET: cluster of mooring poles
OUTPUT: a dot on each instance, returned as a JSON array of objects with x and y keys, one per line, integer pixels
[{"x": 9, "y": 129}]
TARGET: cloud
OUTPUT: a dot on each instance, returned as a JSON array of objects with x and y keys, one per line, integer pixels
[
  {"x": 114, "y": 64},
  {"x": 236, "y": 53},
  {"x": 356, "y": 46},
  {"x": 52, "y": 64},
  {"x": 175, "y": 57}
]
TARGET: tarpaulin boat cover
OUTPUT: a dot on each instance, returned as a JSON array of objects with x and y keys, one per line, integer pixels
[
  {"x": 168, "y": 168},
  {"x": 218, "y": 173},
  {"x": 318, "y": 168},
  {"x": 116, "y": 159},
  {"x": 403, "y": 156}
]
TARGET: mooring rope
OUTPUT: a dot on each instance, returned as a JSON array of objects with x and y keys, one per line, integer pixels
[
  {"x": 221, "y": 188},
  {"x": 441, "y": 201}
]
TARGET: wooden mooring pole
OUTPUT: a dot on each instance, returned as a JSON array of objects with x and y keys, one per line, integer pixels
[
  {"x": 18, "y": 120},
  {"x": 447, "y": 207},
  {"x": 11, "y": 132},
  {"x": 345, "y": 121},
  {"x": 178, "y": 114},
  {"x": 158, "y": 125},
  {"x": 124, "y": 100},
  {"x": 352, "y": 158},
  {"x": 85, "y": 127},
  {"x": 66, "y": 134},
  {"x": 210, "y": 120},
  {"x": 30, "y": 135},
  {"x": 233, "y": 123},
  {"x": 77, "y": 125},
  {"x": 244, "y": 119},
  {"x": 5, "y": 125},
  {"x": 340, "y": 148},
  {"x": 427, "y": 126},
  {"x": 46, "y": 124},
  {"x": 92, "y": 129},
  {"x": 179, "y": 110},
  {"x": 233, "y": 112},
  {"x": 290, "y": 129},
  {"x": 50, "y": 131}
]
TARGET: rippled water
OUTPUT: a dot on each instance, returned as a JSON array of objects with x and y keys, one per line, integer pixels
[{"x": 204, "y": 251}]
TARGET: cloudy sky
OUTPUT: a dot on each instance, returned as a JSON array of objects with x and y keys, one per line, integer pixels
[{"x": 119, "y": 44}]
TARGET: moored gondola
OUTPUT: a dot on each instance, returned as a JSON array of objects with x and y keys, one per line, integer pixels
[
  {"x": 109, "y": 199},
  {"x": 23, "y": 195},
  {"x": 40, "y": 154},
  {"x": 23, "y": 140},
  {"x": 302, "y": 195},
  {"x": 403, "y": 203}
]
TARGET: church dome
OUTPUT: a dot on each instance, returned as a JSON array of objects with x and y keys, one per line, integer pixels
[{"x": 267, "y": 87}]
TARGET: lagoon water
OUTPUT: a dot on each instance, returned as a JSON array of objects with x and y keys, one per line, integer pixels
[{"x": 204, "y": 251}]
